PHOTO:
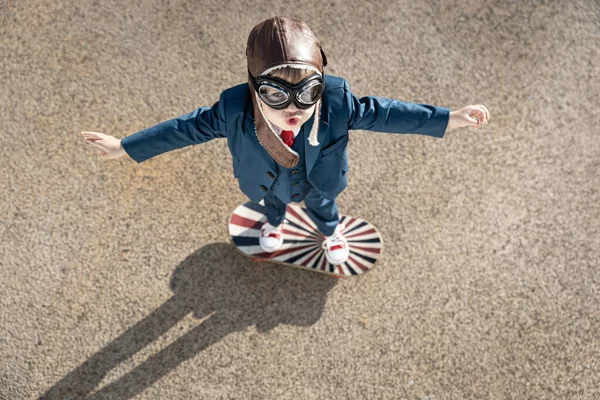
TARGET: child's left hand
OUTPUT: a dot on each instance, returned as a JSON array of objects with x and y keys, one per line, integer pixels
[{"x": 469, "y": 116}]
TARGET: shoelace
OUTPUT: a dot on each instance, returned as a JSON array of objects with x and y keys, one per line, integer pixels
[{"x": 336, "y": 240}]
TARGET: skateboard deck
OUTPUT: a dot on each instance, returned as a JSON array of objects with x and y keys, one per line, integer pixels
[{"x": 302, "y": 241}]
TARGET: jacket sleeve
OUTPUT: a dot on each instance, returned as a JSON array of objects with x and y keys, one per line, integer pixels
[
  {"x": 386, "y": 115},
  {"x": 199, "y": 126}
]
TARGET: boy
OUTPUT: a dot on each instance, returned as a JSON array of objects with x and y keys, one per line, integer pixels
[{"x": 287, "y": 130}]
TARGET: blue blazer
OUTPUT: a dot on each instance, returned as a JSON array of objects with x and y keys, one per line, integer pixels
[{"x": 232, "y": 117}]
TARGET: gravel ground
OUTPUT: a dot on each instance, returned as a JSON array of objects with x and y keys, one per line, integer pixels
[{"x": 118, "y": 281}]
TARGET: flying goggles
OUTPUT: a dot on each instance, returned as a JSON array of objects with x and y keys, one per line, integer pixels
[{"x": 279, "y": 94}]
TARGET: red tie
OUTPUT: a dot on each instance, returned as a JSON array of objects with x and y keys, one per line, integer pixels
[{"x": 288, "y": 138}]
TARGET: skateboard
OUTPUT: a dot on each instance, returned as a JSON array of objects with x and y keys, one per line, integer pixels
[{"x": 302, "y": 241}]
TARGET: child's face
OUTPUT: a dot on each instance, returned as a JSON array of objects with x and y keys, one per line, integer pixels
[{"x": 289, "y": 118}]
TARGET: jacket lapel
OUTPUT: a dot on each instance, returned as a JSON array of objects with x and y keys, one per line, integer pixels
[
  {"x": 312, "y": 152},
  {"x": 250, "y": 134}
]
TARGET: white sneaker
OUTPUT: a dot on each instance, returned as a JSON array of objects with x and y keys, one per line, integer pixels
[
  {"x": 271, "y": 237},
  {"x": 336, "y": 246}
]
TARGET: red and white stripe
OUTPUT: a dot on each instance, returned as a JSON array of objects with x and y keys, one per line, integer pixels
[{"x": 302, "y": 246}]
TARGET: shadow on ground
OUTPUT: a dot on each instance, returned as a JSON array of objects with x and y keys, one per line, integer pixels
[{"x": 214, "y": 280}]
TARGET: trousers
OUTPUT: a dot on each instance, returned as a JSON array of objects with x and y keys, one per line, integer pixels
[{"x": 322, "y": 211}]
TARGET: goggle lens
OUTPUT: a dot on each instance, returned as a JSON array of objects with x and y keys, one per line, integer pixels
[
  {"x": 273, "y": 95},
  {"x": 311, "y": 93}
]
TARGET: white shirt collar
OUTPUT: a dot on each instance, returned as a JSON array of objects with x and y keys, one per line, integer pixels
[{"x": 278, "y": 130}]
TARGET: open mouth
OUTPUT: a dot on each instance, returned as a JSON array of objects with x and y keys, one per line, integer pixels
[{"x": 292, "y": 120}]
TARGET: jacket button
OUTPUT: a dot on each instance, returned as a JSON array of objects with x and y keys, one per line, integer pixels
[
  {"x": 296, "y": 196},
  {"x": 270, "y": 175},
  {"x": 295, "y": 183},
  {"x": 264, "y": 188},
  {"x": 294, "y": 171}
]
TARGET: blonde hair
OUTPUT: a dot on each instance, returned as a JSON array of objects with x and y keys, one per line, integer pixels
[{"x": 292, "y": 75}]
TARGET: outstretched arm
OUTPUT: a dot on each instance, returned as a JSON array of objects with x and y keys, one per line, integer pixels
[
  {"x": 386, "y": 115},
  {"x": 199, "y": 126},
  {"x": 394, "y": 116}
]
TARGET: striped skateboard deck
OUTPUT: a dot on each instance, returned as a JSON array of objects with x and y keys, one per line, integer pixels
[{"x": 302, "y": 241}]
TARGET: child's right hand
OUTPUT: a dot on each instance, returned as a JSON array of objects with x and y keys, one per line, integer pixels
[{"x": 112, "y": 146}]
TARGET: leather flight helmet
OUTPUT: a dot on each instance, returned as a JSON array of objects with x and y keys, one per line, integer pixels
[{"x": 276, "y": 43}]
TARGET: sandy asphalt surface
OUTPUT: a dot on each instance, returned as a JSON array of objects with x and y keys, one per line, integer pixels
[{"x": 118, "y": 281}]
